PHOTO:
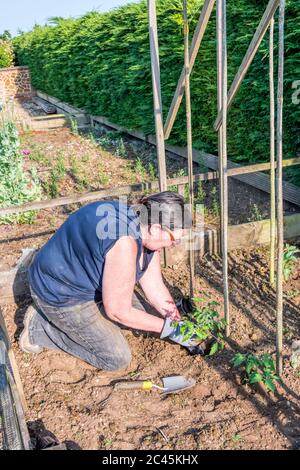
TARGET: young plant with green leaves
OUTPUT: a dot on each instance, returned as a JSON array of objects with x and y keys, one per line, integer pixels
[
  {"x": 257, "y": 369},
  {"x": 256, "y": 214},
  {"x": 215, "y": 206},
  {"x": 289, "y": 260},
  {"x": 16, "y": 186},
  {"x": 74, "y": 126},
  {"x": 205, "y": 323}
]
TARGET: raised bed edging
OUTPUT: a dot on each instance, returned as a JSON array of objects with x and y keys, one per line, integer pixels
[{"x": 291, "y": 193}]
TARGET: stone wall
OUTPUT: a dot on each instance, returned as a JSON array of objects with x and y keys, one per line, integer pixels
[{"x": 15, "y": 82}]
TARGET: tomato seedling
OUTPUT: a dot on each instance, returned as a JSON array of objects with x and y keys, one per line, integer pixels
[
  {"x": 257, "y": 369},
  {"x": 203, "y": 323}
]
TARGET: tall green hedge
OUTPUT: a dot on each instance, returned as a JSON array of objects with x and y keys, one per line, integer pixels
[{"x": 101, "y": 62}]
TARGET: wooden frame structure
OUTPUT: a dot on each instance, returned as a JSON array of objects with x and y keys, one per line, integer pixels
[
  {"x": 225, "y": 100},
  {"x": 225, "y": 168}
]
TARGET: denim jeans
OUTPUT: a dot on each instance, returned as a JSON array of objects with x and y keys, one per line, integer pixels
[{"x": 82, "y": 330}]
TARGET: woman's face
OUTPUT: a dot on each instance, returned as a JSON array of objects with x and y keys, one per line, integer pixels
[{"x": 156, "y": 237}]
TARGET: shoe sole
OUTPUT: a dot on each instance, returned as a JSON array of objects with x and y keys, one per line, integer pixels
[{"x": 27, "y": 319}]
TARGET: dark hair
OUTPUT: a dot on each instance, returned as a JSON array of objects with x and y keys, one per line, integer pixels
[{"x": 167, "y": 209}]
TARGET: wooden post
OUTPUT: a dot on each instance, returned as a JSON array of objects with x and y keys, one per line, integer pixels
[
  {"x": 196, "y": 42},
  {"x": 222, "y": 92},
  {"x": 272, "y": 157},
  {"x": 250, "y": 54},
  {"x": 280, "y": 228},
  {"x": 157, "y": 101},
  {"x": 189, "y": 142},
  {"x": 219, "y": 101}
]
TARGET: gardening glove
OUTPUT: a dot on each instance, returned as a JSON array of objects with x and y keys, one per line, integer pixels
[{"x": 173, "y": 333}]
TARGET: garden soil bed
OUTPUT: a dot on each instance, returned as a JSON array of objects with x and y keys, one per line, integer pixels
[{"x": 74, "y": 402}]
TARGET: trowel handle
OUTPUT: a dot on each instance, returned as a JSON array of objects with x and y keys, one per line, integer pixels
[{"x": 137, "y": 384}]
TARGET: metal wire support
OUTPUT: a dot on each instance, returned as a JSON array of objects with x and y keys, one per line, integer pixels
[
  {"x": 222, "y": 98},
  {"x": 189, "y": 141},
  {"x": 279, "y": 277},
  {"x": 272, "y": 157}
]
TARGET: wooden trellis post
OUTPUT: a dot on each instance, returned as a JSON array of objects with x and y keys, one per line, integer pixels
[
  {"x": 279, "y": 277},
  {"x": 222, "y": 102},
  {"x": 272, "y": 157},
  {"x": 157, "y": 101},
  {"x": 189, "y": 141}
]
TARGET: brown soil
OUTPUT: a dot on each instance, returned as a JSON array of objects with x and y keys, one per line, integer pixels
[{"x": 75, "y": 402}]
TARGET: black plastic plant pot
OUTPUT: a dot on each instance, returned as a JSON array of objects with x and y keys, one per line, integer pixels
[
  {"x": 203, "y": 349},
  {"x": 186, "y": 306}
]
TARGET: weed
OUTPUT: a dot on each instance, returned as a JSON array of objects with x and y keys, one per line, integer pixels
[
  {"x": 74, "y": 126},
  {"x": 85, "y": 158},
  {"x": 200, "y": 194},
  {"x": 92, "y": 136},
  {"x": 215, "y": 202},
  {"x": 256, "y": 214},
  {"x": 107, "y": 442},
  {"x": 290, "y": 294},
  {"x": 51, "y": 186},
  {"x": 37, "y": 155},
  {"x": 289, "y": 260},
  {"x": 140, "y": 169},
  {"x": 77, "y": 170},
  {"x": 152, "y": 171},
  {"x": 102, "y": 176},
  {"x": 257, "y": 369},
  {"x": 236, "y": 438},
  {"x": 60, "y": 168},
  {"x": 120, "y": 148},
  {"x": 105, "y": 141}
]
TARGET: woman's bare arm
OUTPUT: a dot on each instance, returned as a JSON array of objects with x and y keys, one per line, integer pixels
[
  {"x": 118, "y": 285},
  {"x": 156, "y": 291}
]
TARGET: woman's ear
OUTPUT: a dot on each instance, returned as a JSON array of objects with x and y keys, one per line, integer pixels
[{"x": 155, "y": 230}]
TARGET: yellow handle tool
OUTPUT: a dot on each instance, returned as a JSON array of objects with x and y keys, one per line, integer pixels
[{"x": 137, "y": 384}]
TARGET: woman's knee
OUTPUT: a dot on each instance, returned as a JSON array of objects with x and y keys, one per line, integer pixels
[{"x": 119, "y": 358}]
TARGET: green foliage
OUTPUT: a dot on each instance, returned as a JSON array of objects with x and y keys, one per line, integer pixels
[
  {"x": 16, "y": 187},
  {"x": 215, "y": 201},
  {"x": 140, "y": 169},
  {"x": 204, "y": 323},
  {"x": 120, "y": 148},
  {"x": 289, "y": 260},
  {"x": 74, "y": 126},
  {"x": 255, "y": 214},
  {"x": 257, "y": 369},
  {"x": 5, "y": 35},
  {"x": 6, "y": 53},
  {"x": 101, "y": 62}
]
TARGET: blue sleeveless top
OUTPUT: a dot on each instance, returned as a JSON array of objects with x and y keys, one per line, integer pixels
[{"x": 68, "y": 269}]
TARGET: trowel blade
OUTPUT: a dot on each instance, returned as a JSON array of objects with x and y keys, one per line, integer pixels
[{"x": 176, "y": 384}]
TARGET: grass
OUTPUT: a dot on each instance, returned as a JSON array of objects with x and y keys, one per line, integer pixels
[{"x": 38, "y": 155}]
